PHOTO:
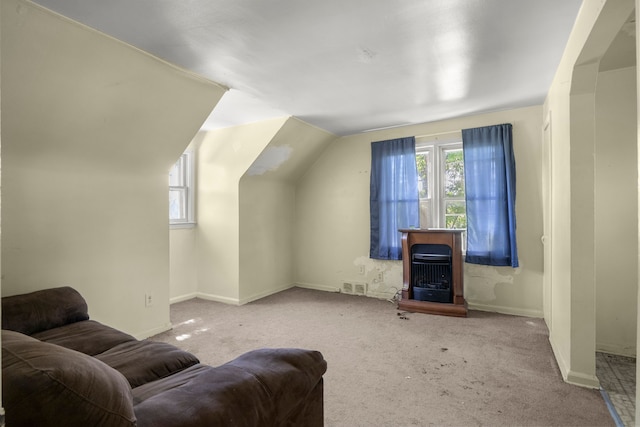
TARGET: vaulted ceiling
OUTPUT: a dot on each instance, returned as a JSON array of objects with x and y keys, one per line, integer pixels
[{"x": 348, "y": 66}]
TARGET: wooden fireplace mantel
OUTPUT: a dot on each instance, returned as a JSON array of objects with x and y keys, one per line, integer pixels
[{"x": 451, "y": 238}]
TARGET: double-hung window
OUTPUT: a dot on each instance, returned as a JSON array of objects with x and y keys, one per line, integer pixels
[
  {"x": 440, "y": 164},
  {"x": 181, "y": 189}
]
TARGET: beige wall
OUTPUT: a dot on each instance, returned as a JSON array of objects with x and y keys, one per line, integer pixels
[
  {"x": 571, "y": 106},
  {"x": 223, "y": 157},
  {"x": 268, "y": 211},
  {"x": 90, "y": 129},
  {"x": 183, "y": 271},
  {"x": 616, "y": 193},
  {"x": 266, "y": 236},
  {"x": 332, "y": 219},
  {"x": 242, "y": 245}
]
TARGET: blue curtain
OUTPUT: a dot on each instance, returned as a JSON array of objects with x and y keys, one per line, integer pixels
[
  {"x": 394, "y": 201},
  {"x": 490, "y": 187}
]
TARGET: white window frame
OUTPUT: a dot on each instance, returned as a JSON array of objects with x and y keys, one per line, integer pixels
[
  {"x": 437, "y": 146},
  {"x": 187, "y": 159}
]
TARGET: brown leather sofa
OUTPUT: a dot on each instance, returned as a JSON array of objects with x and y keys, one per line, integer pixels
[{"x": 59, "y": 368}]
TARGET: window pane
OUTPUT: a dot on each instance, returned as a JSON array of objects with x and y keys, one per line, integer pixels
[
  {"x": 453, "y": 173},
  {"x": 441, "y": 185},
  {"x": 177, "y": 204},
  {"x": 455, "y": 214},
  {"x": 176, "y": 174},
  {"x": 423, "y": 164}
]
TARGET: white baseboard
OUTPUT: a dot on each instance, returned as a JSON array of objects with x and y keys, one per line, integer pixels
[
  {"x": 183, "y": 298},
  {"x": 505, "y": 310},
  {"x": 265, "y": 294},
  {"x": 618, "y": 350},
  {"x": 370, "y": 294},
  {"x": 317, "y": 287},
  {"x": 217, "y": 298},
  {"x": 560, "y": 359},
  {"x": 572, "y": 377},
  {"x": 227, "y": 300},
  {"x": 583, "y": 380},
  {"x": 381, "y": 295}
]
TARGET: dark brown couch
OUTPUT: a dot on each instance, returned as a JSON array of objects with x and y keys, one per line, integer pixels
[{"x": 59, "y": 368}]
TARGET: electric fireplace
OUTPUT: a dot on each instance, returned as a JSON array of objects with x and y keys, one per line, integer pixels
[{"x": 432, "y": 272}]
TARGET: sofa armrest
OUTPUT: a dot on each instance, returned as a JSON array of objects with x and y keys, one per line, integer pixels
[
  {"x": 266, "y": 387},
  {"x": 47, "y": 385},
  {"x": 42, "y": 310}
]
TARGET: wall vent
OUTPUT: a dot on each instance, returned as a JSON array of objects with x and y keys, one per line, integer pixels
[
  {"x": 347, "y": 288},
  {"x": 360, "y": 288},
  {"x": 354, "y": 288}
]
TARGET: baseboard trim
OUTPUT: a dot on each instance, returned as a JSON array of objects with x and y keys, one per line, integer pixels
[
  {"x": 505, "y": 310},
  {"x": 217, "y": 298},
  {"x": 317, "y": 287},
  {"x": 265, "y": 294},
  {"x": 560, "y": 360},
  {"x": 210, "y": 297},
  {"x": 381, "y": 295},
  {"x": 583, "y": 380},
  {"x": 324, "y": 288},
  {"x": 181, "y": 298},
  {"x": 618, "y": 350},
  {"x": 576, "y": 378},
  {"x": 227, "y": 300}
]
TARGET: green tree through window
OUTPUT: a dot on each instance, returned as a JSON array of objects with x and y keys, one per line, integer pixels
[
  {"x": 455, "y": 207},
  {"x": 440, "y": 170}
]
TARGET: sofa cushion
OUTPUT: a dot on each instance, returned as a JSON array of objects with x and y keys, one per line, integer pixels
[
  {"x": 88, "y": 337},
  {"x": 42, "y": 310},
  {"x": 144, "y": 361},
  {"x": 47, "y": 385}
]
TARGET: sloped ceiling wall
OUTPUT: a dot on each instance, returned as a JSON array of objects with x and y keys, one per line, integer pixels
[
  {"x": 247, "y": 178},
  {"x": 268, "y": 211},
  {"x": 90, "y": 127}
]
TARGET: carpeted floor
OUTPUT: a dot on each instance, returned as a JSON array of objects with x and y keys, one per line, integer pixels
[{"x": 388, "y": 369}]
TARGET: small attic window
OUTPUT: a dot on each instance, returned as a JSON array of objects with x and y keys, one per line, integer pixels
[{"x": 181, "y": 191}]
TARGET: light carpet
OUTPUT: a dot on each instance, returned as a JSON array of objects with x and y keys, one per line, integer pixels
[{"x": 388, "y": 369}]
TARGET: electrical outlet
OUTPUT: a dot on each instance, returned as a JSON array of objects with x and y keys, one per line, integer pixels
[{"x": 148, "y": 300}]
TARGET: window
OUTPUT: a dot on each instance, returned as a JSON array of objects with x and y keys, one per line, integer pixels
[
  {"x": 181, "y": 180},
  {"x": 441, "y": 183}
]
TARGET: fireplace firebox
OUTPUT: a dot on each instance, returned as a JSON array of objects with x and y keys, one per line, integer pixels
[{"x": 432, "y": 272}]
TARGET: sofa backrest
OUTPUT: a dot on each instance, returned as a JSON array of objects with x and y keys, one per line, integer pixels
[{"x": 42, "y": 310}]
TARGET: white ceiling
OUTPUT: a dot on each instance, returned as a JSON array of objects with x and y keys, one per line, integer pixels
[{"x": 348, "y": 66}]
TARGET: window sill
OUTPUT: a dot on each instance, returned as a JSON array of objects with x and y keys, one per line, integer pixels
[{"x": 179, "y": 225}]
